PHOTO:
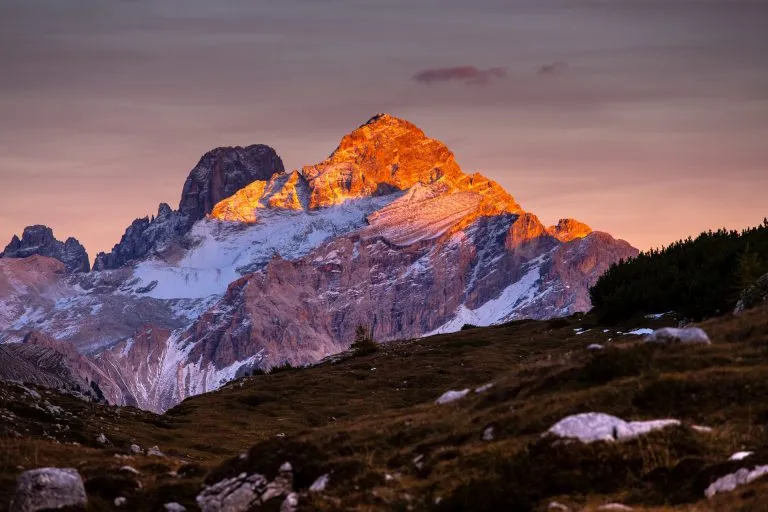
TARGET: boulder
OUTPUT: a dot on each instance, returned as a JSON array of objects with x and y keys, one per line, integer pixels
[
  {"x": 240, "y": 493},
  {"x": 595, "y": 426},
  {"x": 731, "y": 481},
  {"x": 49, "y": 488},
  {"x": 673, "y": 335},
  {"x": 451, "y": 396}
]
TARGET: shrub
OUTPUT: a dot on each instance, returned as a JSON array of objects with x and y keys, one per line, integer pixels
[{"x": 364, "y": 343}]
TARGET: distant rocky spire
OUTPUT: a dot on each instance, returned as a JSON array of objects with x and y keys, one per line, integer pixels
[{"x": 39, "y": 239}]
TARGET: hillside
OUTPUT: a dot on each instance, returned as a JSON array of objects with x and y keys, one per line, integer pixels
[{"x": 371, "y": 422}]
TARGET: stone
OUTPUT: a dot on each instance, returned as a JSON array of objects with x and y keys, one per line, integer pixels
[
  {"x": 684, "y": 336},
  {"x": 484, "y": 388},
  {"x": 236, "y": 494},
  {"x": 595, "y": 347},
  {"x": 594, "y": 426},
  {"x": 554, "y": 505},
  {"x": 740, "y": 455},
  {"x": 620, "y": 507},
  {"x": 451, "y": 396},
  {"x": 102, "y": 439},
  {"x": 39, "y": 240},
  {"x": 291, "y": 503},
  {"x": 488, "y": 433},
  {"x": 155, "y": 452},
  {"x": 48, "y": 488},
  {"x": 136, "y": 449},
  {"x": 731, "y": 481},
  {"x": 174, "y": 507},
  {"x": 320, "y": 484},
  {"x": 120, "y": 501}
]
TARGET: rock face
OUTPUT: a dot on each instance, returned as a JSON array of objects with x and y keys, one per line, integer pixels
[
  {"x": 222, "y": 172},
  {"x": 143, "y": 237},
  {"x": 46, "y": 362},
  {"x": 49, "y": 489},
  {"x": 39, "y": 240},
  {"x": 569, "y": 229}
]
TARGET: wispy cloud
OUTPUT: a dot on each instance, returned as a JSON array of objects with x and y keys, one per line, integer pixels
[
  {"x": 470, "y": 75},
  {"x": 553, "y": 68}
]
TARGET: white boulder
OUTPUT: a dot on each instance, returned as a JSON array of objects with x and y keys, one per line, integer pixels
[
  {"x": 731, "y": 481},
  {"x": 673, "y": 335},
  {"x": 595, "y": 426},
  {"x": 450, "y": 396}
]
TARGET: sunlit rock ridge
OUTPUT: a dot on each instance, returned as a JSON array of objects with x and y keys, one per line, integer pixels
[{"x": 388, "y": 232}]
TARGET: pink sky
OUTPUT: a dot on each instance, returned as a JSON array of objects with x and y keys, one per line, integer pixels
[{"x": 649, "y": 121}]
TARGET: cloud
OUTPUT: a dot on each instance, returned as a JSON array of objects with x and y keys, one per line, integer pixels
[
  {"x": 470, "y": 75},
  {"x": 553, "y": 68}
]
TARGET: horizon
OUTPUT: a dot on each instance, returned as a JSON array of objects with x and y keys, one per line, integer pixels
[{"x": 638, "y": 119}]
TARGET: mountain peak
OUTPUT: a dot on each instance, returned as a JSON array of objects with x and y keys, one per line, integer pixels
[
  {"x": 382, "y": 156},
  {"x": 569, "y": 229},
  {"x": 39, "y": 239}
]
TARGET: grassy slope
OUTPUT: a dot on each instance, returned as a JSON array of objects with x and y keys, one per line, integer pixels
[{"x": 364, "y": 418}]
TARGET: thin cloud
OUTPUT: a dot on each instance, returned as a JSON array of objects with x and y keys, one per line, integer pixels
[
  {"x": 470, "y": 75},
  {"x": 553, "y": 68}
]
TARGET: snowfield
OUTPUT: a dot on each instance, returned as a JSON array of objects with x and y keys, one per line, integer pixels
[{"x": 224, "y": 252}]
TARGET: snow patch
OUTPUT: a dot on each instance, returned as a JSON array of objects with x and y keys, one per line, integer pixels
[{"x": 499, "y": 309}]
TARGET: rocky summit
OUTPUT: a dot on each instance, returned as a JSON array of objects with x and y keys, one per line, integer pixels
[
  {"x": 261, "y": 267},
  {"x": 39, "y": 240}
]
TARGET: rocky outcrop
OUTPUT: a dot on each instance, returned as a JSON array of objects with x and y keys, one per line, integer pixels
[
  {"x": 39, "y": 240},
  {"x": 144, "y": 237},
  {"x": 222, "y": 172},
  {"x": 753, "y": 295},
  {"x": 245, "y": 492},
  {"x": 569, "y": 229},
  {"x": 49, "y": 489}
]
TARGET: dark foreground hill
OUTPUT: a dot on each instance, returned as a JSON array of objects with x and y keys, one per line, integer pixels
[{"x": 371, "y": 423}]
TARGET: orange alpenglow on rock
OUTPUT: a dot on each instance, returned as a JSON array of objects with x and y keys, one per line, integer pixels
[
  {"x": 383, "y": 156},
  {"x": 569, "y": 229}
]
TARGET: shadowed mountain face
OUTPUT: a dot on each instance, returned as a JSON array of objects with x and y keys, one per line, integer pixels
[{"x": 388, "y": 232}]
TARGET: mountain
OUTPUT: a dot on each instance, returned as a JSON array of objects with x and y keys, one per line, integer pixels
[
  {"x": 388, "y": 232},
  {"x": 39, "y": 240}
]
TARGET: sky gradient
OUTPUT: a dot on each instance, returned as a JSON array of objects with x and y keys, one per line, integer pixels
[{"x": 647, "y": 119}]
